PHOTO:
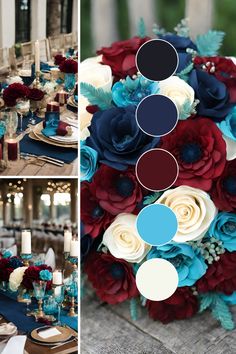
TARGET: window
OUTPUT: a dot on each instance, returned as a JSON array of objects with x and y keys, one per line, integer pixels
[
  {"x": 44, "y": 207},
  {"x": 61, "y": 203},
  {"x": 22, "y": 20},
  {"x": 66, "y": 15}
]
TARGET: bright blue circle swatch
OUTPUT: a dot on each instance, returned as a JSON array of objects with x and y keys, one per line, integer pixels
[{"x": 156, "y": 224}]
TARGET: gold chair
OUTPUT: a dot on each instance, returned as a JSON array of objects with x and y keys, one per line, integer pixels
[
  {"x": 56, "y": 45},
  {"x": 68, "y": 40},
  {"x": 44, "y": 50},
  {"x": 4, "y": 61},
  {"x": 27, "y": 53}
]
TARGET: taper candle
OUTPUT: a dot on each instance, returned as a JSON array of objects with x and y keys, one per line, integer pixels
[
  {"x": 57, "y": 277},
  {"x": 26, "y": 242},
  {"x": 74, "y": 248},
  {"x": 67, "y": 240},
  {"x": 37, "y": 56}
]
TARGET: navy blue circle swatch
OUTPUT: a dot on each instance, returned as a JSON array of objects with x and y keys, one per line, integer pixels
[
  {"x": 157, "y": 59},
  {"x": 156, "y": 115}
]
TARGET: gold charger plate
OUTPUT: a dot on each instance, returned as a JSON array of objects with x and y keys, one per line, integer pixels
[
  {"x": 72, "y": 102},
  {"x": 37, "y": 132},
  {"x": 64, "y": 335}
]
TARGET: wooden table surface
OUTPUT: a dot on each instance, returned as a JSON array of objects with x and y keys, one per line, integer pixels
[{"x": 109, "y": 330}]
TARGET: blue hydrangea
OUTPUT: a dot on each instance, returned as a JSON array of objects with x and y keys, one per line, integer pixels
[
  {"x": 15, "y": 262},
  {"x": 45, "y": 275},
  {"x": 223, "y": 227},
  {"x": 132, "y": 91},
  {"x": 88, "y": 162},
  {"x": 228, "y": 125},
  {"x": 188, "y": 262}
]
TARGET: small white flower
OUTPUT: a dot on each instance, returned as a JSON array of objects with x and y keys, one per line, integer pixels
[
  {"x": 123, "y": 240},
  {"x": 16, "y": 278},
  {"x": 14, "y": 80},
  {"x": 49, "y": 87}
]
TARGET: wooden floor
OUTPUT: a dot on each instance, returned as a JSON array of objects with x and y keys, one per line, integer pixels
[{"x": 108, "y": 329}]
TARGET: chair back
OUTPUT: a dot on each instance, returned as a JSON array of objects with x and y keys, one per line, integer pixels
[{"x": 56, "y": 45}]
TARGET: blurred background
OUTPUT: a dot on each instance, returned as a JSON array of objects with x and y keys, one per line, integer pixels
[{"x": 104, "y": 21}]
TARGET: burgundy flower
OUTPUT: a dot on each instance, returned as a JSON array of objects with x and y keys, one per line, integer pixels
[
  {"x": 5, "y": 269},
  {"x": 120, "y": 56},
  {"x": 35, "y": 94},
  {"x": 32, "y": 274},
  {"x": 14, "y": 92},
  {"x": 112, "y": 278},
  {"x": 94, "y": 218},
  {"x": 223, "y": 191},
  {"x": 58, "y": 59},
  {"x": 200, "y": 150},
  {"x": 117, "y": 191},
  {"x": 182, "y": 304},
  {"x": 69, "y": 66}
]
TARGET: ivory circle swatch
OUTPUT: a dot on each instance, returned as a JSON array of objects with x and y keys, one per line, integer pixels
[
  {"x": 157, "y": 169},
  {"x": 156, "y": 115},
  {"x": 156, "y": 224},
  {"x": 157, "y": 59},
  {"x": 157, "y": 279}
]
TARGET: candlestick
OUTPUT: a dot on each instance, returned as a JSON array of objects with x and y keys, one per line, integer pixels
[
  {"x": 67, "y": 240},
  {"x": 26, "y": 242},
  {"x": 57, "y": 277},
  {"x": 74, "y": 248},
  {"x": 37, "y": 56}
]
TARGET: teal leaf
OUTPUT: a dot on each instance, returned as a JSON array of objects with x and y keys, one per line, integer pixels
[
  {"x": 209, "y": 43},
  {"x": 187, "y": 109},
  {"x": 133, "y": 309},
  {"x": 206, "y": 301},
  {"x": 151, "y": 198},
  {"x": 97, "y": 97},
  {"x": 182, "y": 28},
  {"x": 185, "y": 72},
  {"x": 221, "y": 312},
  {"x": 157, "y": 30},
  {"x": 141, "y": 28}
]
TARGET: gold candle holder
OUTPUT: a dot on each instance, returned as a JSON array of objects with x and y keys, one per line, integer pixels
[
  {"x": 40, "y": 312},
  {"x": 37, "y": 79},
  {"x": 72, "y": 308}
]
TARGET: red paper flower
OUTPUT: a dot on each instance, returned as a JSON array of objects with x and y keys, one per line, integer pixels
[
  {"x": 69, "y": 66},
  {"x": 5, "y": 269},
  {"x": 94, "y": 218},
  {"x": 200, "y": 150},
  {"x": 121, "y": 56},
  {"x": 112, "y": 278},
  {"x": 223, "y": 192},
  {"x": 58, "y": 59},
  {"x": 35, "y": 94},
  {"x": 220, "y": 276},
  {"x": 117, "y": 191},
  {"x": 32, "y": 274},
  {"x": 14, "y": 92},
  {"x": 182, "y": 304}
]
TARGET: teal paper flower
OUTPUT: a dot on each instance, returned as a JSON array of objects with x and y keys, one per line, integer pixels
[
  {"x": 45, "y": 275},
  {"x": 88, "y": 162},
  {"x": 7, "y": 254},
  {"x": 188, "y": 262},
  {"x": 223, "y": 227},
  {"x": 2, "y": 129},
  {"x": 228, "y": 125},
  {"x": 131, "y": 92}
]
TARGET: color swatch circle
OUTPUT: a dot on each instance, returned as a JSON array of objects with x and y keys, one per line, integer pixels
[
  {"x": 157, "y": 169},
  {"x": 157, "y": 59},
  {"x": 157, "y": 224},
  {"x": 157, "y": 279},
  {"x": 157, "y": 115}
]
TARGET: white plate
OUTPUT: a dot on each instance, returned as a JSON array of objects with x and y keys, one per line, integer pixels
[{"x": 68, "y": 138}]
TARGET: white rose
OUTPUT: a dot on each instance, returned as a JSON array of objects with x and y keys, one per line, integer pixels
[
  {"x": 123, "y": 241},
  {"x": 194, "y": 211},
  {"x": 96, "y": 74},
  {"x": 178, "y": 90},
  {"x": 15, "y": 80},
  {"x": 16, "y": 278}
]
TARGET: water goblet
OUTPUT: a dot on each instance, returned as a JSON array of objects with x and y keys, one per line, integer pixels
[
  {"x": 22, "y": 108},
  {"x": 59, "y": 297},
  {"x": 39, "y": 293}
]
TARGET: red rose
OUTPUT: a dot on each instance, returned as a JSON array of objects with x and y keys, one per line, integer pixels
[
  {"x": 69, "y": 66},
  {"x": 220, "y": 275},
  {"x": 200, "y": 150},
  {"x": 121, "y": 56},
  {"x": 182, "y": 304},
  {"x": 223, "y": 191},
  {"x": 93, "y": 217},
  {"x": 58, "y": 59},
  {"x": 112, "y": 278},
  {"x": 117, "y": 191},
  {"x": 13, "y": 92},
  {"x": 31, "y": 274},
  {"x": 35, "y": 94},
  {"x": 5, "y": 269}
]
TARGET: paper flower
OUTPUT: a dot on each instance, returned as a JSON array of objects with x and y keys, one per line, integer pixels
[{"x": 16, "y": 278}]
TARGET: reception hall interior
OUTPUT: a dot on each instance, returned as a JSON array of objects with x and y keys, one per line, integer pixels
[{"x": 38, "y": 265}]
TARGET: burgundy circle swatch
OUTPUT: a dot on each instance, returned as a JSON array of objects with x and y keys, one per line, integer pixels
[{"x": 157, "y": 169}]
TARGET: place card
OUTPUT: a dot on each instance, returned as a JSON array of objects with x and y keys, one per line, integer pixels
[{"x": 50, "y": 332}]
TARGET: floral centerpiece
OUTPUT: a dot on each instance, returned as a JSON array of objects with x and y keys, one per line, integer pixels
[
  {"x": 204, "y": 145},
  {"x": 69, "y": 67}
]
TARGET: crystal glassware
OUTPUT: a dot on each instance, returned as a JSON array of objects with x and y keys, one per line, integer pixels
[
  {"x": 22, "y": 108},
  {"x": 59, "y": 297},
  {"x": 39, "y": 293},
  {"x": 10, "y": 119}
]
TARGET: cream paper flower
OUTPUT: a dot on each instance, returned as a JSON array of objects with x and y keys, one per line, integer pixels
[
  {"x": 194, "y": 211},
  {"x": 16, "y": 277},
  {"x": 177, "y": 90},
  {"x": 123, "y": 241}
]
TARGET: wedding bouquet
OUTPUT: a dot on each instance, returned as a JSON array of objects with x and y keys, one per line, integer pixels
[{"x": 204, "y": 145}]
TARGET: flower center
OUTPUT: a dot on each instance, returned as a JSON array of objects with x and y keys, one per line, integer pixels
[
  {"x": 229, "y": 184},
  {"x": 191, "y": 153},
  {"x": 124, "y": 186},
  {"x": 117, "y": 271},
  {"x": 230, "y": 226},
  {"x": 176, "y": 261},
  {"x": 97, "y": 212}
]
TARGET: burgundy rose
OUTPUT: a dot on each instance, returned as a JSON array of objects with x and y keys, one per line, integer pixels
[
  {"x": 14, "y": 92},
  {"x": 117, "y": 191},
  {"x": 182, "y": 304},
  {"x": 112, "y": 278},
  {"x": 69, "y": 66},
  {"x": 120, "y": 56},
  {"x": 223, "y": 191},
  {"x": 200, "y": 150},
  {"x": 94, "y": 218},
  {"x": 58, "y": 59},
  {"x": 220, "y": 275},
  {"x": 32, "y": 274},
  {"x": 5, "y": 269},
  {"x": 35, "y": 94}
]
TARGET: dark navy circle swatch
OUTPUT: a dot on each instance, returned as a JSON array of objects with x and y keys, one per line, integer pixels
[
  {"x": 157, "y": 115},
  {"x": 157, "y": 59}
]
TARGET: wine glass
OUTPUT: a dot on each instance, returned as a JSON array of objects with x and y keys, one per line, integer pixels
[
  {"x": 59, "y": 297},
  {"x": 39, "y": 293},
  {"x": 22, "y": 107},
  {"x": 27, "y": 301},
  {"x": 11, "y": 121},
  {"x": 33, "y": 109}
]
